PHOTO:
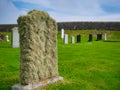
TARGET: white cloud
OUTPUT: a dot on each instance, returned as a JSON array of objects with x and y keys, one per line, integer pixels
[
  {"x": 62, "y": 10},
  {"x": 77, "y": 7},
  {"x": 69, "y": 7},
  {"x": 111, "y": 18}
]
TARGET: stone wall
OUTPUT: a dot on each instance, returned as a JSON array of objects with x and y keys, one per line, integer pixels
[
  {"x": 89, "y": 25},
  {"x": 38, "y": 49},
  {"x": 76, "y": 26}
]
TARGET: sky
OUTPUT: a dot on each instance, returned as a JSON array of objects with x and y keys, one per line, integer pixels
[{"x": 62, "y": 10}]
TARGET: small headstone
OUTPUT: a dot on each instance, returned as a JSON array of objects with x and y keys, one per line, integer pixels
[
  {"x": 66, "y": 39},
  {"x": 73, "y": 39},
  {"x": 15, "y": 38},
  {"x": 1, "y": 37},
  {"x": 7, "y": 38},
  {"x": 99, "y": 37},
  {"x": 78, "y": 38},
  {"x": 62, "y": 33},
  {"x": 90, "y": 37},
  {"x": 105, "y": 36}
]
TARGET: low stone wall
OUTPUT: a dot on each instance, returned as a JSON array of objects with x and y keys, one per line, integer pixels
[
  {"x": 89, "y": 25},
  {"x": 75, "y": 26}
]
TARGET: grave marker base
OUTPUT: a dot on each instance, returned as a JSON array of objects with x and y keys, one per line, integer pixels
[{"x": 37, "y": 85}]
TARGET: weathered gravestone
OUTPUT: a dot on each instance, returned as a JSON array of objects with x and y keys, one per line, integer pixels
[
  {"x": 66, "y": 39},
  {"x": 15, "y": 38},
  {"x": 38, "y": 50},
  {"x": 78, "y": 38},
  {"x": 90, "y": 37}
]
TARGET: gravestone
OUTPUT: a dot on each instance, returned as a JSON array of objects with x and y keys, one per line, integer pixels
[
  {"x": 7, "y": 38},
  {"x": 99, "y": 37},
  {"x": 66, "y": 39},
  {"x": 38, "y": 51},
  {"x": 73, "y": 39},
  {"x": 78, "y": 38},
  {"x": 90, "y": 37},
  {"x": 15, "y": 38},
  {"x": 105, "y": 36},
  {"x": 62, "y": 33},
  {"x": 1, "y": 37}
]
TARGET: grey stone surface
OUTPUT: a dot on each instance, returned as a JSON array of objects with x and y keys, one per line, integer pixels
[
  {"x": 73, "y": 39},
  {"x": 15, "y": 37},
  {"x": 37, "y": 85},
  {"x": 66, "y": 39},
  {"x": 38, "y": 47},
  {"x": 62, "y": 33},
  {"x": 105, "y": 36}
]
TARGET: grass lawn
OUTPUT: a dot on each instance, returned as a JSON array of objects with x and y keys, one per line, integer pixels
[{"x": 84, "y": 66}]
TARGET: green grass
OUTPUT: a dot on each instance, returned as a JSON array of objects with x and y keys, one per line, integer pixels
[{"x": 84, "y": 66}]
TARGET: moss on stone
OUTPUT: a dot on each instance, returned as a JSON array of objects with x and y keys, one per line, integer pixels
[{"x": 38, "y": 50}]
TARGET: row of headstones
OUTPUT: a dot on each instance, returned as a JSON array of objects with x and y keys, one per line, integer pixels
[
  {"x": 65, "y": 37},
  {"x": 78, "y": 37},
  {"x": 15, "y": 37}
]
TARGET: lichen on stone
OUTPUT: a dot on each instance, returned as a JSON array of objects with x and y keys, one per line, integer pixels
[{"x": 38, "y": 49}]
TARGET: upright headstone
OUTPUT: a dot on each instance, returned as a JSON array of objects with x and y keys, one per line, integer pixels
[
  {"x": 90, "y": 37},
  {"x": 38, "y": 50},
  {"x": 105, "y": 36},
  {"x": 99, "y": 37},
  {"x": 66, "y": 39},
  {"x": 1, "y": 37},
  {"x": 73, "y": 39},
  {"x": 15, "y": 37},
  {"x": 7, "y": 38},
  {"x": 78, "y": 38},
  {"x": 62, "y": 33}
]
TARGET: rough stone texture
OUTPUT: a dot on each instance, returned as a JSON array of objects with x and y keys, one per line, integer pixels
[
  {"x": 15, "y": 38},
  {"x": 38, "y": 50}
]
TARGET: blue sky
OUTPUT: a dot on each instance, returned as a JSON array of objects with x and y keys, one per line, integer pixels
[{"x": 62, "y": 10}]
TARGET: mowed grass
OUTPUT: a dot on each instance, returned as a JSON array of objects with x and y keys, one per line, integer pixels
[{"x": 84, "y": 66}]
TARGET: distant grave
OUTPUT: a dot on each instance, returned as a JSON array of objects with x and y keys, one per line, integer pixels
[
  {"x": 78, "y": 38},
  {"x": 38, "y": 51},
  {"x": 62, "y": 33},
  {"x": 7, "y": 38},
  {"x": 15, "y": 38},
  {"x": 90, "y": 37},
  {"x": 105, "y": 36},
  {"x": 99, "y": 37},
  {"x": 1, "y": 37},
  {"x": 66, "y": 39},
  {"x": 72, "y": 39}
]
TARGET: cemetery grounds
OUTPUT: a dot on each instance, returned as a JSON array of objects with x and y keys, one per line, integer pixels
[{"x": 85, "y": 66}]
